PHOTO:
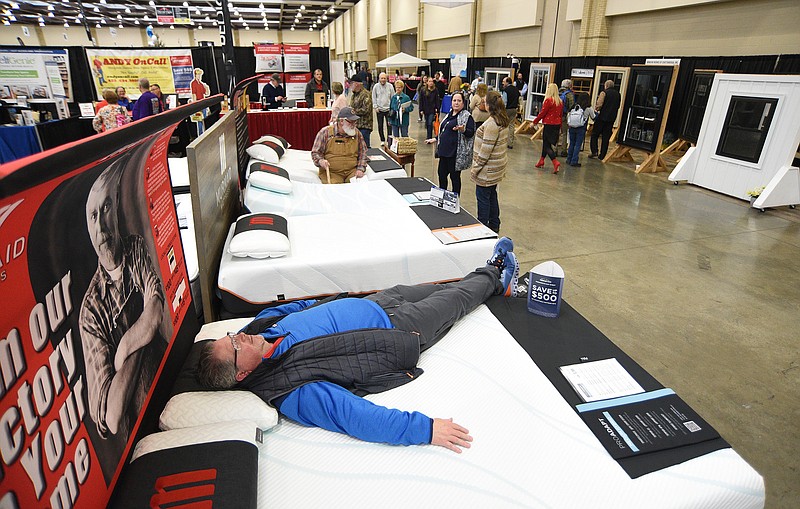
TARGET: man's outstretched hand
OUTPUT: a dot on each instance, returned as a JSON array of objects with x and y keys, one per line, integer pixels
[{"x": 448, "y": 434}]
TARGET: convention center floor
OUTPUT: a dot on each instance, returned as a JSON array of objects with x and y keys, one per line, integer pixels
[{"x": 700, "y": 289}]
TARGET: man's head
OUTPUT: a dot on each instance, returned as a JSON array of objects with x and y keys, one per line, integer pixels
[
  {"x": 347, "y": 121},
  {"x": 382, "y": 78},
  {"x": 275, "y": 79},
  {"x": 101, "y": 218},
  {"x": 609, "y": 84},
  {"x": 566, "y": 83},
  {"x": 318, "y": 75},
  {"x": 230, "y": 359},
  {"x": 144, "y": 85},
  {"x": 156, "y": 89},
  {"x": 506, "y": 81},
  {"x": 519, "y": 76},
  {"x": 356, "y": 83},
  {"x": 121, "y": 94}
]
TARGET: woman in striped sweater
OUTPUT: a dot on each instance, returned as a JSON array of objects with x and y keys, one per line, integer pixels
[{"x": 490, "y": 160}]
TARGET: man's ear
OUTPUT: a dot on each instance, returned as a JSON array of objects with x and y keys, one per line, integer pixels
[{"x": 241, "y": 375}]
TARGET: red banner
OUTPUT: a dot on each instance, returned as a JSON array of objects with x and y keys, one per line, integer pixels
[
  {"x": 94, "y": 291},
  {"x": 296, "y": 57}
]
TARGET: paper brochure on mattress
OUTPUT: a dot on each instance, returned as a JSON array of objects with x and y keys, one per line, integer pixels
[
  {"x": 643, "y": 423},
  {"x": 376, "y": 158},
  {"x": 598, "y": 380},
  {"x": 463, "y": 233}
]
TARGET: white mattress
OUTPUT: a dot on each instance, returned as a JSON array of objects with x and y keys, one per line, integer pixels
[
  {"x": 332, "y": 253},
  {"x": 183, "y": 206},
  {"x": 530, "y": 448},
  {"x": 301, "y": 168},
  {"x": 362, "y": 197}
]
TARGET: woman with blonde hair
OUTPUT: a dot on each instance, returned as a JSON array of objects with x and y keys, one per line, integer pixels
[
  {"x": 550, "y": 115},
  {"x": 339, "y": 100},
  {"x": 490, "y": 160},
  {"x": 477, "y": 105}
]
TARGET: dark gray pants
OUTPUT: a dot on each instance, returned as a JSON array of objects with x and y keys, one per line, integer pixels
[{"x": 430, "y": 310}]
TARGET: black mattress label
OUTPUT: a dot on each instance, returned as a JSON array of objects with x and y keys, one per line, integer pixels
[{"x": 269, "y": 222}]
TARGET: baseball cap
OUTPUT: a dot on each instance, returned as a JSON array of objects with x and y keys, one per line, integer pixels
[
  {"x": 347, "y": 114},
  {"x": 357, "y": 78},
  {"x": 276, "y": 77}
]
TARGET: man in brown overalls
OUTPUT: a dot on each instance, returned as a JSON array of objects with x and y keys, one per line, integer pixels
[{"x": 339, "y": 150}]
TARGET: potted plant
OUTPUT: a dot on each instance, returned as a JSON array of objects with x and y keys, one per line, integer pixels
[{"x": 755, "y": 193}]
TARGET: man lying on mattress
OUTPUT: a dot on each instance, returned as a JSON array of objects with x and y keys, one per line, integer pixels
[{"x": 313, "y": 360}]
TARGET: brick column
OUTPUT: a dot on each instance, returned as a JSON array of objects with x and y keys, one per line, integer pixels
[
  {"x": 475, "y": 34},
  {"x": 593, "y": 39},
  {"x": 422, "y": 47}
]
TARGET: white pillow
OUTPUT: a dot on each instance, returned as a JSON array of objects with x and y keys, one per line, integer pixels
[
  {"x": 252, "y": 240},
  {"x": 263, "y": 153},
  {"x": 199, "y": 408},
  {"x": 244, "y": 431},
  {"x": 276, "y": 139},
  {"x": 270, "y": 177}
]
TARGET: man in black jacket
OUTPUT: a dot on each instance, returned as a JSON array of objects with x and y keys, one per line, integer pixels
[
  {"x": 316, "y": 85},
  {"x": 512, "y": 105},
  {"x": 607, "y": 107},
  {"x": 273, "y": 94}
]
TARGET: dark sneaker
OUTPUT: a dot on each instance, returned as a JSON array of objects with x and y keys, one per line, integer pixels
[
  {"x": 503, "y": 246},
  {"x": 510, "y": 275}
]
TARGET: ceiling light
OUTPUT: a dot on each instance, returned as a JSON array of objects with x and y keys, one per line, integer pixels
[
  {"x": 152, "y": 3},
  {"x": 103, "y": 21},
  {"x": 324, "y": 16},
  {"x": 331, "y": 10},
  {"x": 41, "y": 24},
  {"x": 119, "y": 16},
  {"x": 12, "y": 18},
  {"x": 120, "y": 25},
  {"x": 66, "y": 25},
  {"x": 102, "y": 1},
  {"x": 244, "y": 22},
  {"x": 292, "y": 29},
  {"x": 298, "y": 15},
  {"x": 96, "y": 9},
  {"x": 200, "y": 27},
  {"x": 302, "y": 7},
  {"x": 208, "y": 19},
  {"x": 236, "y": 12},
  {"x": 50, "y": 15},
  {"x": 263, "y": 14},
  {"x": 97, "y": 25},
  {"x": 40, "y": 19},
  {"x": 146, "y": 18},
  {"x": 197, "y": 11},
  {"x": 14, "y": 5},
  {"x": 50, "y": 8},
  {"x": 260, "y": 6},
  {"x": 136, "y": 22},
  {"x": 6, "y": 22},
  {"x": 186, "y": 4},
  {"x": 172, "y": 27},
  {"x": 127, "y": 10},
  {"x": 214, "y": 24},
  {"x": 247, "y": 28},
  {"x": 241, "y": 20}
]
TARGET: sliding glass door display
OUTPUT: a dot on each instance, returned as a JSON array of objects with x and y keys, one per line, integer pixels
[
  {"x": 494, "y": 77},
  {"x": 540, "y": 76},
  {"x": 746, "y": 127},
  {"x": 619, "y": 75},
  {"x": 648, "y": 96},
  {"x": 700, "y": 91}
]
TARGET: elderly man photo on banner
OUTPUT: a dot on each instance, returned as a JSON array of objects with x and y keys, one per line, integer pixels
[{"x": 106, "y": 244}]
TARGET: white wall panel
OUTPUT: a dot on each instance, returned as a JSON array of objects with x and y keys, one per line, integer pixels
[
  {"x": 574, "y": 10},
  {"x": 378, "y": 18},
  {"x": 347, "y": 27},
  {"x": 339, "y": 35},
  {"x": 522, "y": 42},
  {"x": 443, "y": 23},
  {"x": 443, "y": 48},
  {"x": 506, "y": 14},
  {"x": 55, "y": 36},
  {"x": 748, "y": 30},
  {"x": 404, "y": 15},
  {"x": 618, "y": 7},
  {"x": 360, "y": 18}
]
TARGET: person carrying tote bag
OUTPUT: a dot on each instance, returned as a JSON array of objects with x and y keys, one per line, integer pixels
[{"x": 454, "y": 143}]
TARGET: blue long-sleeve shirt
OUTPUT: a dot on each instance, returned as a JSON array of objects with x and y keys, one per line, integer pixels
[{"x": 328, "y": 405}]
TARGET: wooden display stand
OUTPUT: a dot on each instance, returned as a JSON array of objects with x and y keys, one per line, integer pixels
[
  {"x": 676, "y": 146},
  {"x": 526, "y": 127}
]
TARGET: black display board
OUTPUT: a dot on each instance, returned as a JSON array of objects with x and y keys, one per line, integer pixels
[
  {"x": 695, "y": 108},
  {"x": 646, "y": 102}
]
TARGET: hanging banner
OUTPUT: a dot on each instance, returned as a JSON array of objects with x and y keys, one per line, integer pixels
[
  {"x": 296, "y": 57},
  {"x": 458, "y": 65},
  {"x": 296, "y": 85},
  {"x": 39, "y": 75},
  {"x": 167, "y": 15},
  {"x": 268, "y": 57},
  {"x": 171, "y": 70},
  {"x": 96, "y": 301}
]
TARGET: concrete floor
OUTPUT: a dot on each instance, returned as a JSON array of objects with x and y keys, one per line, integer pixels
[{"x": 700, "y": 289}]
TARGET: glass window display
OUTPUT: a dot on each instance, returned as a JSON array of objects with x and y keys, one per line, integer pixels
[
  {"x": 746, "y": 127},
  {"x": 619, "y": 75},
  {"x": 495, "y": 75},
  {"x": 645, "y": 103},
  {"x": 540, "y": 76},
  {"x": 700, "y": 90}
]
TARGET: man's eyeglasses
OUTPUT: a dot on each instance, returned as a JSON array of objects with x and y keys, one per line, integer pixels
[{"x": 236, "y": 348}]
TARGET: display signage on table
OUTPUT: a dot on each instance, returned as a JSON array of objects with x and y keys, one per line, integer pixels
[
  {"x": 296, "y": 57},
  {"x": 444, "y": 199},
  {"x": 94, "y": 296},
  {"x": 582, "y": 73},
  {"x": 662, "y": 61},
  {"x": 38, "y": 75},
  {"x": 268, "y": 58},
  {"x": 171, "y": 70},
  {"x": 296, "y": 85}
]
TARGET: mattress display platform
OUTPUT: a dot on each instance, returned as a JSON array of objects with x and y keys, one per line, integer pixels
[
  {"x": 530, "y": 448},
  {"x": 341, "y": 252},
  {"x": 363, "y": 196}
]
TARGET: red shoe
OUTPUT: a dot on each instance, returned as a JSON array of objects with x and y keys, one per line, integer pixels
[
  {"x": 540, "y": 164},
  {"x": 556, "y": 166}
]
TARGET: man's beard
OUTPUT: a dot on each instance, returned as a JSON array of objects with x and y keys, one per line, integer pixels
[{"x": 349, "y": 130}]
